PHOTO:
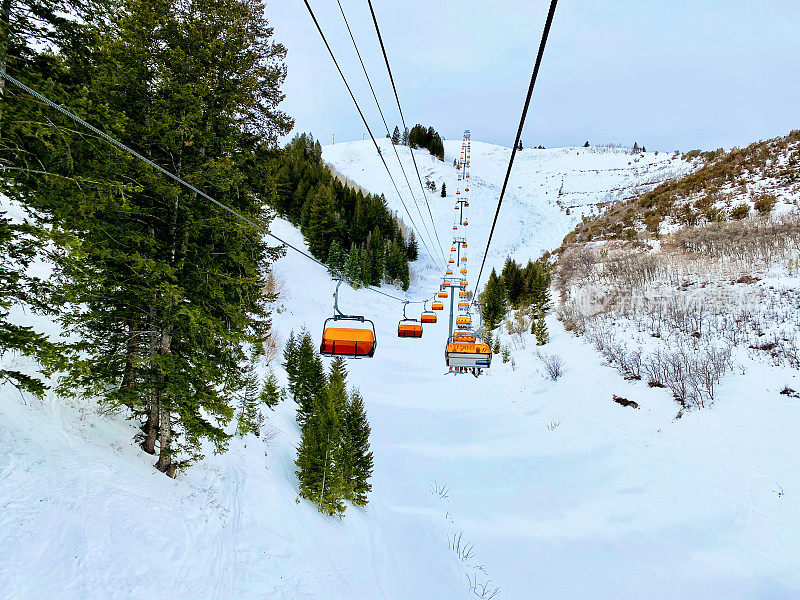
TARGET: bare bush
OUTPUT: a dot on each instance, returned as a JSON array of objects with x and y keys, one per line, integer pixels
[
  {"x": 482, "y": 589},
  {"x": 464, "y": 549},
  {"x": 553, "y": 365},
  {"x": 440, "y": 490}
]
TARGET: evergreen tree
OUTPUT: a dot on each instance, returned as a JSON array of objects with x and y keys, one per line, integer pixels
[
  {"x": 377, "y": 257},
  {"x": 290, "y": 363},
  {"x": 309, "y": 383},
  {"x": 17, "y": 249},
  {"x": 272, "y": 393},
  {"x": 512, "y": 280},
  {"x": 444, "y": 190},
  {"x": 539, "y": 328},
  {"x": 405, "y": 137},
  {"x": 412, "y": 249},
  {"x": 318, "y": 474},
  {"x": 366, "y": 262},
  {"x": 496, "y": 347},
  {"x": 164, "y": 291},
  {"x": 248, "y": 416},
  {"x": 396, "y": 135},
  {"x": 336, "y": 258},
  {"x": 357, "y": 457},
  {"x": 322, "y": 222},
  {"x": 493, "y": 301},
  {"x": 352, "y": 267}
]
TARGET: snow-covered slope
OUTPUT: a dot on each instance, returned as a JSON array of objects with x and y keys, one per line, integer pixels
[
  {"x": 544, "y": 184},
  {"x": 509, "y": 482}
]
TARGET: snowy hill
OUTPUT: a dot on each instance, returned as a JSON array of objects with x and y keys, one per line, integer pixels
[
  {"x": 543, "y": 185},
  {"x": 511, "y": 482}
]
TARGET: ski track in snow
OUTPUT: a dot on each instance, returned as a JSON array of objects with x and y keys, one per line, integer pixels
[{"x": 610, "y": 503}]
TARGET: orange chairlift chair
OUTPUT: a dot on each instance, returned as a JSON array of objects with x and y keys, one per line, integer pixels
[
  {"x": 408, "y": 328},
  {"x": 350, "y": 342},
  {"x": 428, "y": 316}
]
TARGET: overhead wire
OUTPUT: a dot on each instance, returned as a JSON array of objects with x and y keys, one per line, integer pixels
[
  {"x": 386, "y": 125},
  {"x": 114, "y": 142},
  {"x": 366, "y": 124},
  {"x": 402, "y": 118},
  {"x": 535, "y": 74}
]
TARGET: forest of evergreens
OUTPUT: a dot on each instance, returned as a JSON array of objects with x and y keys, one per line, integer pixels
[
  {"x": 520, "y": 288},
  {"x": 354, "y": 233}
]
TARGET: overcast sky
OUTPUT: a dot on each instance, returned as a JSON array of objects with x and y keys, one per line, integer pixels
[{"x": 669, "y": 74}]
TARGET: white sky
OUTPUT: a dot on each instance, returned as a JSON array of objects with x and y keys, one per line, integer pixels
[{"x": 669, "y": 74}]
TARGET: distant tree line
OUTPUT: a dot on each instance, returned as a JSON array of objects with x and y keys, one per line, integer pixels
[
  {"x": 420, "y": 137},
  {"x": 334, "y": 462},
  {"x": 354, "y": 233}
]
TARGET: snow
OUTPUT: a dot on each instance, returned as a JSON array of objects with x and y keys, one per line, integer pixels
[
  {"x": 542, "y": 186},
  {"x": 556, "y": 491}
]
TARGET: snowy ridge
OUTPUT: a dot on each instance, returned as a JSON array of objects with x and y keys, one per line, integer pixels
[
  {"x": 543, "y": 185},
  {"x": 556, "y": 491}
]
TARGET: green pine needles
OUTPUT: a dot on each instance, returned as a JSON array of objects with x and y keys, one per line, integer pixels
[{"x": 334, "y": 462}]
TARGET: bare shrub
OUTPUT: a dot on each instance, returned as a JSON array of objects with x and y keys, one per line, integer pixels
[
  {"x": 440, "y": 490},
  {"x": 482, "y": 589},
  {"x": 517, "y": 328},
  {"x": 572, "y": 317},
  {"x": 464, "y": 549},
  {"x": 553, "y": 365}
]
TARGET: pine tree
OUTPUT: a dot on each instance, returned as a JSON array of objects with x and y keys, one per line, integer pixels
[
  {"x": 318, "y": 475},
  {"x": 377, "y": 264},
  {"x": 496, "y": 347},
  {"x": 17, "y": 249},
  {"x": 493, "y": 301},
  {"x": 309, "y": 383},
  {"x": 272, "y": 393},
  {"x": 322, "y": 222},
  {"x": 412, "y": 251},
  {"x": 539, "y": 328},
  {"x": 396, "y": 135},
  {"x": 512, "y": 280},
  {"x": 352, "y": 267},
  {"x": 248, "y": 416},
  {"x": 164, "y": 290},
  {"x": 358, "y": 461},
  {"x": 336, "y": 258},
  {"x": 444, "y": 190},
  {"x": 320, "y": 455},
  {"x": 290, "y": 363}
]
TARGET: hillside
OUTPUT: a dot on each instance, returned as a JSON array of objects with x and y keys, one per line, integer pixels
[
  {"x": 512, "y": 485},
  {"x": 549, "y": 190},
  {"x": 761, "y": 178}
]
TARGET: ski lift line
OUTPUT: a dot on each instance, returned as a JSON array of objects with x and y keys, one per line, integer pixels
[
  {"x": 535, "y": 74},
  {"x": 386, "y": 125},
  {"x": 366, "y": 124},
  {"x": 163, "y": 171},
  {"x": 402, "y": 117}
]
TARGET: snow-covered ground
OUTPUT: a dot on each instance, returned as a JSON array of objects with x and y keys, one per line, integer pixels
[
  {"x": 550, "y": 489},
  {"x": 544, "y": 184}
]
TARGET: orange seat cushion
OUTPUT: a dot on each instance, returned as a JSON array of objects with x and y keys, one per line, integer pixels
[{"x": 347, "y": 341}]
